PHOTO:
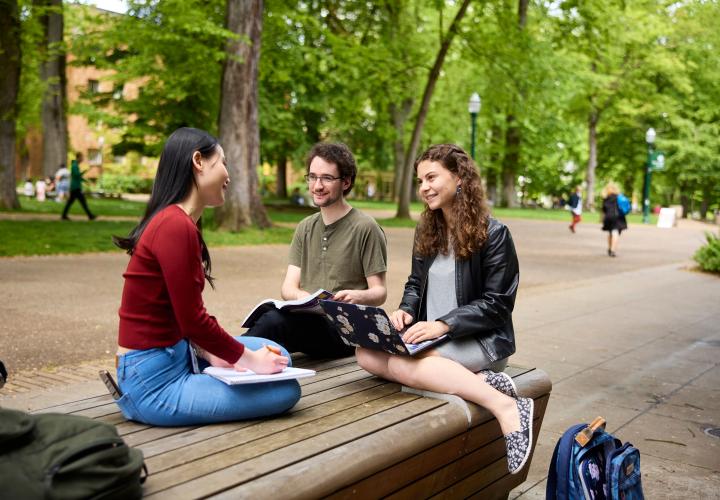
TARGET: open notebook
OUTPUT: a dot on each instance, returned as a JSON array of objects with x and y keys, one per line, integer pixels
[
  {"x": 232, "y": 377},
  {"x": 370, "y": 327}
]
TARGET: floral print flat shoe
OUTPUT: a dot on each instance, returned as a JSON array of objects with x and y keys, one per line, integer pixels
[
  {"x": 519, "y": 443},
  {"x": 501, "y": 381}
]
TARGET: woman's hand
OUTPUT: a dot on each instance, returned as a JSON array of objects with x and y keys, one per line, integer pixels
[
  {"x": 210, "y": 358},
  {"x": 425, "y": 330},
  {"x": 400, "y": 319},
  {"x": 262, "y": 361},
  {"x": 216, "y": 361}
]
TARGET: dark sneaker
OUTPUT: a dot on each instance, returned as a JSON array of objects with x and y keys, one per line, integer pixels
[
  {"x": 518, "y": 444},
  {"x": 501, "y": 381}
]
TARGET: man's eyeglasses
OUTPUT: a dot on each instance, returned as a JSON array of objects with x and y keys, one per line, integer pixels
[{"x": 324, "y": 179}]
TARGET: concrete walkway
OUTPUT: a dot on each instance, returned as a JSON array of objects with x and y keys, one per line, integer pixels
[{"x": 635, "y": 339}]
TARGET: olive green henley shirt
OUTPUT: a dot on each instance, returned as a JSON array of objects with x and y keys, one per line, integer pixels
[{"x": 339, "y": 256}]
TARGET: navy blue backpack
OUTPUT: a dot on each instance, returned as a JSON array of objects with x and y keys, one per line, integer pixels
[{"x": 589, "y": 463}]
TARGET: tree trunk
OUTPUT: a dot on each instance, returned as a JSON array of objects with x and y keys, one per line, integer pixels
[
  {"x": 52, "y": 74},
  {"x": 404, "y": 202},
  {"x": 491, "y": 170},
  {"x": 10, "y": 62},
  {"x": 705, "y": 203},
  {"x": 589, "y": 200},
  {"x": 685, "y": 202},
  {"x": 239, "y": 130},
  {"x": 399, "y": 116},
  {"x": 513, "y": 134},
  {"x": 511, "y": 162},
  {"x": 281, "y": 177},
  {"x": 522, "y": 13}
]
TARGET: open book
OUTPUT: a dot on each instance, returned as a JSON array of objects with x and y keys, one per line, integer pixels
[
  {"x": 307, "y": 304},
  {"x": 232, "y": 377},
  {"x": 369, "y": 327}
]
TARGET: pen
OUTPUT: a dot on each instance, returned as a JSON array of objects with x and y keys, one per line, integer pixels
[{"x": 273, "y": 349}]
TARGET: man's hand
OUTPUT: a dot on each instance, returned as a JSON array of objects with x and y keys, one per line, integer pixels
[
  {"x": 425, "y": 330},
  {"x": 400, "y": 319},
  {"x": 349, "y": 296},
  {"x": 262, "y": 361}
]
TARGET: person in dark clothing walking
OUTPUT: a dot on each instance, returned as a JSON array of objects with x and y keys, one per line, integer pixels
[
  {"x": 613, "y": 219},
  {"x": 76, "y": 180},
  {"x": 575, "y": 205}
]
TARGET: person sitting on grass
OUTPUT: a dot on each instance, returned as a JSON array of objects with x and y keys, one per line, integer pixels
[
  {"x": 162, "y": 315},
  {"x": 463, "y": 283}
]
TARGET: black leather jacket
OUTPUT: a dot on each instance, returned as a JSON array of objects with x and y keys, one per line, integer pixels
[{"x": 486, "y": 285}]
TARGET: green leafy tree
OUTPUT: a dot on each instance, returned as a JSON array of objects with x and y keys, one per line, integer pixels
[{"x": 171, "y": 51}]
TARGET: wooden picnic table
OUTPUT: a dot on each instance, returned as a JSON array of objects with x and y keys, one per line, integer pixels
[{"x": 350, "y": 435}]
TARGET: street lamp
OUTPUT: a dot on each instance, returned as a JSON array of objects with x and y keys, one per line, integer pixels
[
  {"x": 650, "y": 140},
  {"x": 473, "y": 109}
]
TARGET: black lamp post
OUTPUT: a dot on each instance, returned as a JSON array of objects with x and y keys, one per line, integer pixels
[
  {"x": 650, "y": 140},
  {"x": 473, "y": 109}
]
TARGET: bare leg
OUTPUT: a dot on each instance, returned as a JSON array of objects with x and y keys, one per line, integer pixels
[{"x": 422, "y": 373}]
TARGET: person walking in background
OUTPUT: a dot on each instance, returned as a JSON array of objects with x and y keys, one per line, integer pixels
[
  {"x": 76, "y": 180},
  {"x": 613, "y": 219},
  {"x": 62, "y": 183},
  {"x": 575, "y": 205}
]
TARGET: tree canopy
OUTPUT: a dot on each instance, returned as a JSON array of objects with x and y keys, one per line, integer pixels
[{"x": 568, "y": 87}]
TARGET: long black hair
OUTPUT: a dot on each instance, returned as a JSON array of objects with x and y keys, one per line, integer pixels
[{"x": 173, "y": 181}]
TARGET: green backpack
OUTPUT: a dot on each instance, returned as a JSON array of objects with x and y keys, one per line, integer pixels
[{"x": 56, "y": 456}]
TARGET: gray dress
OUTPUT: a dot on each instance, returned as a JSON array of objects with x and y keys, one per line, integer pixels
[{"x": 442, "y": 298}]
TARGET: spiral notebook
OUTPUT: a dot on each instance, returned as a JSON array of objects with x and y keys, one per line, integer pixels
[{"x": 232, "y": 377}]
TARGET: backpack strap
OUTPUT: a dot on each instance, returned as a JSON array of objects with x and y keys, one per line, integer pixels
[{"x": 557, "y": 482}]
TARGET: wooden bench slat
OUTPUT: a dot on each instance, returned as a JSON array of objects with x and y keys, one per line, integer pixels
[
  {"x": 290, "y": 428},
  {"x": 205, "y": 432},
  {"x": 447, "y": 476},
  {"x": 74, "y": 406},
  {"x": 394, "y": 478},
  {"x": 493, "y": 472},
  {"x": 260, "y": 457},
  {"x": 358, "y": 455},
  {"x": 320, "y": 364}
]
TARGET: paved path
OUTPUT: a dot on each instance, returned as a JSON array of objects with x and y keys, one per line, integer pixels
[{"x": 635, "y": 339}]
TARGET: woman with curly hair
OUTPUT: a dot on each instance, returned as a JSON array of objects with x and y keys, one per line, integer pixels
[{"x": 463, "y": 283}]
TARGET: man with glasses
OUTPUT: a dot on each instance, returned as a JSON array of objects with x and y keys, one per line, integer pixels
[{"x": 338, "y": 249}]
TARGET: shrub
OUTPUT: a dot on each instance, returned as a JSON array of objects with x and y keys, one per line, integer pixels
[
  {"x": 708, "y": 256},
  {"x": 117, "y": 183}
]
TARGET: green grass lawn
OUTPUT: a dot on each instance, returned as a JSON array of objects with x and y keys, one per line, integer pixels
[
  {"x": 102, "y": 206},
  {"x": 50, "y": 237},
  {"x": 41, "y": 237}
]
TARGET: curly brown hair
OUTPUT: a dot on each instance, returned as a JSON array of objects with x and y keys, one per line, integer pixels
[{"x": 469, "y": 231}]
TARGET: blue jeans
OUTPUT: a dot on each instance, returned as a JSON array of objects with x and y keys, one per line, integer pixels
[{"x": 159, "y": 388}]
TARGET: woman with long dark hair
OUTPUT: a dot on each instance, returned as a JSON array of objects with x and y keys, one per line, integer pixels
[
  {"x": 463, "y": 283},
  {"x": 164, "y": 326}
]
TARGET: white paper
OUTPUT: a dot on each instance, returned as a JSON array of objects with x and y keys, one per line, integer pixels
[{"x": 232, "y": 377}]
